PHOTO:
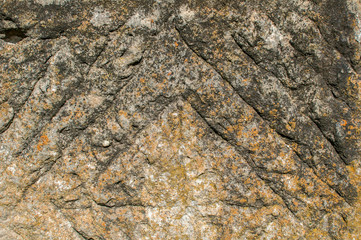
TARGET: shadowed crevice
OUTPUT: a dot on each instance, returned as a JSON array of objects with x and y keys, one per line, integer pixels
[{"x": 13, "y": 35}]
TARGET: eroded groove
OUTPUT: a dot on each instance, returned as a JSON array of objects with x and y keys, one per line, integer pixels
[
  {"x": 82, "y": 234},
  {"x": 312, "y": 167},
  {"x": 245, "y": 51},
  {"x": 212, "y": 113},
  {"x": 221, "y": 76},
  {"x": 40, "y": 174},
  {"x": 42, "y": 74},
  {"x": 328, "y": 140},
  {"x": 332, "y": 46},
  {"x": 258, "y": 112},
  {"x": 102, "y": 50},
  {"x": 36, "y": 132},
  {"x": 253, "y": 165},
  {"x": 247, "y": 158},
  {"x": 7, "y": 126}
]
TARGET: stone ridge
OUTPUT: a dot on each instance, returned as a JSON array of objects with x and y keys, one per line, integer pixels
[{"x": 165, "y": 119}]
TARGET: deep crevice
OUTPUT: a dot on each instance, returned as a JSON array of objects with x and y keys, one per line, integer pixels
[{"x": 14, "y": 35}]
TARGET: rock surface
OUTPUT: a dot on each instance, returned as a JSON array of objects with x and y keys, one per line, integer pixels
[{"x": 165, "y": 119}]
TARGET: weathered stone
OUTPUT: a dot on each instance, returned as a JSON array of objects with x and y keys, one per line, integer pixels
[{"x": 180, "y": 119}]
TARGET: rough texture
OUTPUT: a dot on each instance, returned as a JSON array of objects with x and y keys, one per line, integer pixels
[{"x": 134, "y": 119}]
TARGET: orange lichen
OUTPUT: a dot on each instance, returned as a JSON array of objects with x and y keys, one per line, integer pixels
[{"x": 44, "y": 140}]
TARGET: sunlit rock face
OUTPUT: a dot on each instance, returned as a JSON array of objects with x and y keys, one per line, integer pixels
[{"x": 180, "y": 119}]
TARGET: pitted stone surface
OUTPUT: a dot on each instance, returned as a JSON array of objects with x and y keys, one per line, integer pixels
[{"x": 180, "y": 119}]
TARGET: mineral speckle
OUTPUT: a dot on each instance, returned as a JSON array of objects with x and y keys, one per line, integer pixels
[{"x": 180, "y": 119}]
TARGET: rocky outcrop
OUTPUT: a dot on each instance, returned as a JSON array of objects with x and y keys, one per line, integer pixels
[{"x": 180, "y": 119}]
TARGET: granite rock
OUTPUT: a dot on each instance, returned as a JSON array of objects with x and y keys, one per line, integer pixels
[{"x": 166, "y": 119}]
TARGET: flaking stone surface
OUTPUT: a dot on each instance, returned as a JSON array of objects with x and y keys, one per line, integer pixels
[{"x": 176, "y": 119}]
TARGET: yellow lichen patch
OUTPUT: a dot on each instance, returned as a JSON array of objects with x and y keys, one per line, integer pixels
[
  {"x": 291, "y": 126},
  {"x": 343, "y": 123},
  {"x": 273, "y": 112},
  {"x": 354, "y": 215},
  {"x": 317, "y": 234},
  {"x": 44, "y": 140}
]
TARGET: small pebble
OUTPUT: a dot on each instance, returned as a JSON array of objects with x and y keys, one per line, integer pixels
[{"x": 106, "y": 143}]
